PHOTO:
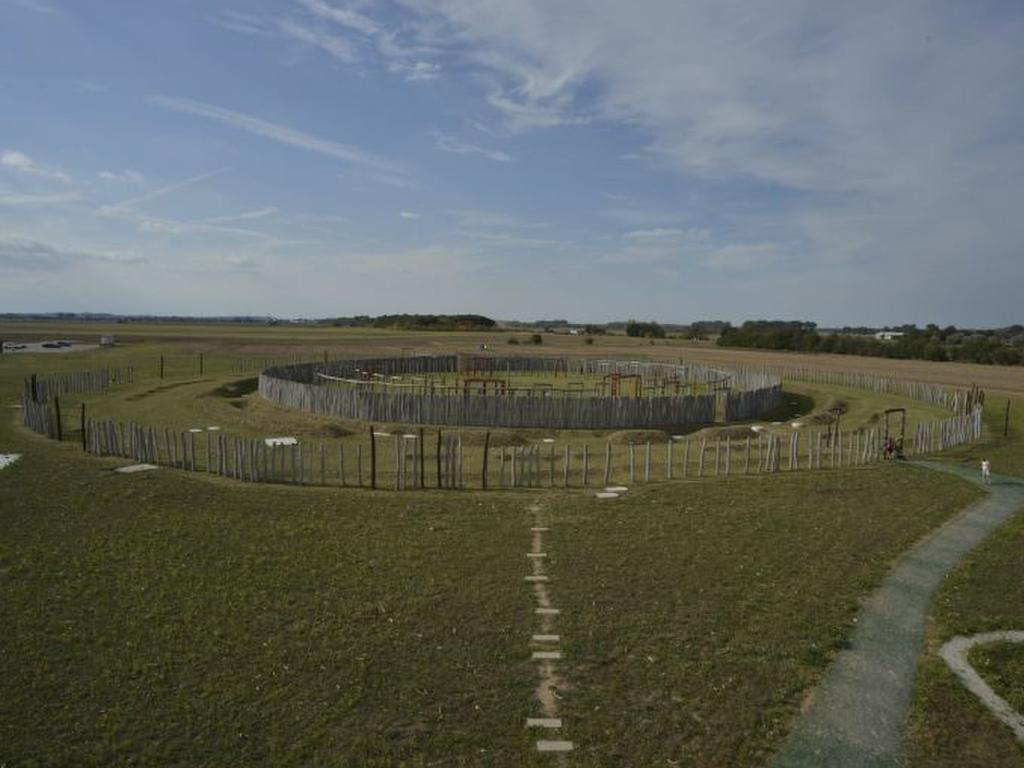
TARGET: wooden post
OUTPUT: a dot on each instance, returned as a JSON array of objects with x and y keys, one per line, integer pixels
[
  {"x": 35, "y": 389},
  {"x": 359, "y": 466},
  {"x": 439, "y": 458},
  {"x": 56, "y": 410},
  {"x": 746, "y": 460},
  {"x": 1006, "y": 420},
  {"x": 422, "y": 449},
  {"x": 85, "y": 445},
  {"x": 373, "y": 459},
  {"x": 632, "y": 463},
  {"x": 607, "y": 462},
  {"x": 565, "y": 468},
  {"x": 487, "y": 447},
  {"x": 161, "y": 366},
  {"x": 668, "y": 460},
  {"x": 647, "y": 462},
  {"x": 700, "y": 459}
]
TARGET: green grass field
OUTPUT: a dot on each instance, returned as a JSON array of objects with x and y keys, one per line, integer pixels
[{"x": 167, "y": 618}]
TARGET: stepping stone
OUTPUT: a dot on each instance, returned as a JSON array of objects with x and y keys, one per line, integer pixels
[
  {"x": 270, "y": 442},
  {"x": 554, "y": 746},
  {"x": 548, "y": 440},
  {"x": 194, "y": 430},
  {"x": 544, "y": 655},
  {"x": 382, "y": 434},
  {"x": 547, "y": 611},
  {"x": 617, "y": 489},
  {"x": 543, "y": 722},
  {"x": 540, "y": 529},
  {"x": 133, "y": 468},
  {"x": 606, "y": 495},
  {"x": 213, "y": 429},
  {"x": 546, "y": 638},
  {"x": 6, "y": 459},
  {"x": 535, "y": 578},
  {"x": 536, "y": 554}
]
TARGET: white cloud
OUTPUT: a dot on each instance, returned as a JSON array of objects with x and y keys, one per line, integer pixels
[
  {"x": 27, "y": 254},
  {"x": 258, "y": 213},
  {"x": 9, "y": 197},
  {"x": 457, "y": 146},
  {"x": 127, "y": 205},
  {"x": 126, "y": 176},
  {"x": 282, "y": 134},
  {"x": 743, "y": 257},
  {"x": 19, "y": 161},
  {"x": 658, "y": 233},
  {"x": 409, "y": 215},
  {"x": 336, "y": 46}
]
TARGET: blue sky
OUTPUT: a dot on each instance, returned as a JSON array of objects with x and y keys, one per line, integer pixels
[{"x": 848, "y": 163}]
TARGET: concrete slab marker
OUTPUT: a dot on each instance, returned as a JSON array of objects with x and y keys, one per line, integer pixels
[
  {"x": 133, "y": 468},
  {"x": 536, "y": 554},
  {"x": 6, "y": 459},
  {"x": 546, "y": 638},
  {"x": 544, "y": 655},
  {"x": 540, "y": 529},
  {"x": 606, "y": 495},
  {"x": 546, "y": 611},
  {"x": 543, "y": 722},
  {"x": 535, "y": 578},
  {"x": 616, "y": 489},
  {"x": 554, "y": 746}
]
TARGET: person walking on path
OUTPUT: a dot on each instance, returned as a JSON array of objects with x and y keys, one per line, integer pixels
[{"x": 986, "y": 471}]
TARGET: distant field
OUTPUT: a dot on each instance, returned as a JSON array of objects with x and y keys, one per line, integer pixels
[
  {"x": 168, "y": 618},
  {"x": 283, "y": 340}
]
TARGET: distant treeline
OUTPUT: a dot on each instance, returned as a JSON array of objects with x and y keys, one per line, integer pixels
[
  {"x": 1001, "y": 346},
  {"x": 415, "y": 322}
]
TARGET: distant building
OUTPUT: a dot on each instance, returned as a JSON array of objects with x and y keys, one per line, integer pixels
[
  {"x": 106, "y": 341},
  {"x": 888, "y": 335}
]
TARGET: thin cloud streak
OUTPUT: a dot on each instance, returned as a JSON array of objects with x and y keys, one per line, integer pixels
[{"x": 282, "y": 134}]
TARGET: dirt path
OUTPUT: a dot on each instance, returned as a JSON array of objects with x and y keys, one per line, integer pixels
[{"x": 858, "y": 710}]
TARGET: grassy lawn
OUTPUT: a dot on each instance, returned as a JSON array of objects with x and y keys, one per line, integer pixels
[
  {"x": 163, "y": 618},
  {"x": 697, "y": 615},
  {"x": 948, "y": 726}
]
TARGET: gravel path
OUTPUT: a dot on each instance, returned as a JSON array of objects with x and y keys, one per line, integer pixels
[{"x": 859, "y": 708}]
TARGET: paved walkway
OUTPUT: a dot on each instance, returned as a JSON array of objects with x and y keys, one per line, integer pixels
[{"x": 860, "y": 706}]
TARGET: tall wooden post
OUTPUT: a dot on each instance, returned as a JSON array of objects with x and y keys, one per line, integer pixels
[
  {"x": 85, "y": 444},
  {"x": 161, "y": 366},
  {"x": 423, "y": 450},
  {"x": 438, "y": 457},
  {"x": 1006, "y": 420},
  {"x": 487, "y": 445},
  {"x": 56, "y": 409},
  {"x": 373, "y": 459}
]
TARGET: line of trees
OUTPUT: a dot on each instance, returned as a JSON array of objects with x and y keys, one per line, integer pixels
[
  {"x": 415, "y": 322},
  {"x": 1002, "y": 346}
]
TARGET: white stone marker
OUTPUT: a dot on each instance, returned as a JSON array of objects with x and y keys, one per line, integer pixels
[
  {"x": 554, "y": 746},
  {"x": 606, "y": 495},
  {"x": 547, "y": 611},
  {"x": 545, "y": 655},
  {"x": 535, "y": 578},
  {"x": 6, "y": 459},
  {"x": 547, "y": 638},
  {"x": 133, "y": 468},
  {"x": 543, "y": 722}
]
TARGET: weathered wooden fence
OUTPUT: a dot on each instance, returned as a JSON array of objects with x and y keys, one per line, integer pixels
[
  {"x": 45, "y": 388},
  {"x": 443, "y": 460},
  {"x": 301, "y": 387}
]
